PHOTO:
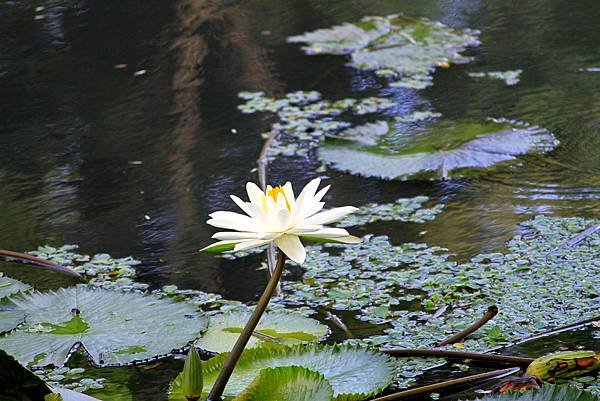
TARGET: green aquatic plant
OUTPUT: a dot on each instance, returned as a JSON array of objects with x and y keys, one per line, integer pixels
[
  {"x": 112, "y": 327},
  {"x": 406, "y": 50},
  {"x": 191, "y": 379},
  {"x": 353, "y": 372},
  {"x": 418, "y": 294},
  {"x": 564, "y": 364},
  {"x": 283, "y": 328}
]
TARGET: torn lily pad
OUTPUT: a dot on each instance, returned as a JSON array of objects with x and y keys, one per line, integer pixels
[
  {"x": 510, "y": 77},
  {"x": 282, "y": 328},
  {"x": 406, "y": 50},
  {"x": 113, "y": 328},
  {"x": 353, "y": 372},
  {"x": 438, "y": 149}
]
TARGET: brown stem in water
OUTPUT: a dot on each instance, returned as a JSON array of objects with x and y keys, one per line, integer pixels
[
  {"x": 263, "y": 165},
  {"x": 491, "y": 312},
  {"x": 46, "y": 264},
  {"x": 438, "y": 353},
  {"x": 236, "y": 352},
  {"x": 440, "y": 386}
]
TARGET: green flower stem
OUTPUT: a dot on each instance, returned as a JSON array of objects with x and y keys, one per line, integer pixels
[
  {"x": 443, "y": 385},
  {"x": 236, "y": 352}
]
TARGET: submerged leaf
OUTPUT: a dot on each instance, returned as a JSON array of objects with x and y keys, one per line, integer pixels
[
  {"x": 440, "y": 148},
  {"x": 289, "y": 383},
  {"x": 353, "y": 372},
  {"x": 113, "y": 327},
  {"x": 404, "y": 49},
  {"x": 287, "y": 328}
]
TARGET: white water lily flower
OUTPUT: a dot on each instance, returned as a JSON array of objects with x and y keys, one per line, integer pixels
[{"x": 276, "y": 215}]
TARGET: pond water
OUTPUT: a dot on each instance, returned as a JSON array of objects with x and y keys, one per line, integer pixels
[{"x": 119, "y": 127}]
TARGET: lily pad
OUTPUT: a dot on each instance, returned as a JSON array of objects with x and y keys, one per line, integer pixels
[
  {"x": 10, "y": 286},
  {"x": 440, "y": 148},
  {"x": 284, "y": 328},
  {"x": 546, "y": 393},
  {"x": 10, "y": 319},
  {"x": 113, "y": 327},
  {"x": 354, "y": 373},
  {"x": 404, "y": 49},
  {"x": 289, "y": 383}
]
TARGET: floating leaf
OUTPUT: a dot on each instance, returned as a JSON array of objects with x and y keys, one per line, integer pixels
[
  {"x": 564, "y": 364},
  {"x": 10, "y": 286},
  {"x": 546, "y": 393},
  {"x": 439, "y": 148},
  {"x": 289, "y": 383},
  {"x": 287, "y": 328},
  {"x": 113, "y": 327},
  {"x": 534, "y": 291},
  {"x": 354, "y": 373},
  {"x": 404, "y": 49}
]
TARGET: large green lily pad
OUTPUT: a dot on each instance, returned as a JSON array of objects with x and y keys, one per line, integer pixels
[
  {"x": 284, "y": 328},
  {"x": 10, "y": 319},
  {"x": 405, "y": 49},
  {"x": 353, "y": 372},
  {"x": 289, "y": 383},
  {"x": 112, "y": 327},
  {"x": 403, "y": 152}
]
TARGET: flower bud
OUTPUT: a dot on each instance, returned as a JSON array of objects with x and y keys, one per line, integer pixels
[{"x": 191, "y": 376}]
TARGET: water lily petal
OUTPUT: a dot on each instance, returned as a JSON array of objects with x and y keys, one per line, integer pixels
[
  {"x": 283, "y": 220},
  {"x": 254, "y": 243},
  {"x": 242, "y": 205},
  {"x": 327, "y": 232},
  {"x": 235, "y": 235},
  {"x": 256, "y": 195},
  {"x": 330, "y": 216},
  {"x": 289, "y": 194},
  {"x": 292, "y": 247},
  {"x": 304, "y": 202},
  {"x": 232, "y": 220},
  {"x": 304, "y": 229}
]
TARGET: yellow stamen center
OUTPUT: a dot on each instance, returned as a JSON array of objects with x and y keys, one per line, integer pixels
[{"x": 274, "y": 193}]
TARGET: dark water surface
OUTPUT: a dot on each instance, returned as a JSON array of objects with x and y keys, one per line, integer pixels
[{"x": 131, "y": 160}]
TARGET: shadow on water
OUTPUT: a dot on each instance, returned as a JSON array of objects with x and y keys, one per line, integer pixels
[{"x": 116, "y": 122}]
